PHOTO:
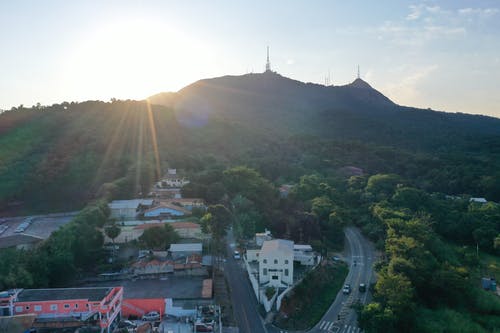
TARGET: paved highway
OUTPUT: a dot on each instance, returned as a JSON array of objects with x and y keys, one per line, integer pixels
[
  {"x": 242, "y": 296},
  {"x": 360, "y": 255}
]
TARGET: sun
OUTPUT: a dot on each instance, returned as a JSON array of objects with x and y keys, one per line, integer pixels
[{"x": 132, "y": 58}]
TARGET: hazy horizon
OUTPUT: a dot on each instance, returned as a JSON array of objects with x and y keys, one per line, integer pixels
[{"x": 442, "y": 55}]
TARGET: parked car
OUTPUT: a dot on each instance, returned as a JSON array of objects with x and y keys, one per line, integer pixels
[
  {"x": 200, "y": 327},
  {"x": 127, "y": 324},
  {"x": 151, "y": 316},
  {"x": 347, "y": 289},
  {"x": 237, "y": 255},
  {"x": 362, "y": 287}
]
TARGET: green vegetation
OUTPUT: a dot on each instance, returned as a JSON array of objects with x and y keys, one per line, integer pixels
[
  {"x": 415, "y": 172},
  {"x": 70, "y": 252},
  {"x": 158, "y": 238},
  {"x": 310, "y": 299}
]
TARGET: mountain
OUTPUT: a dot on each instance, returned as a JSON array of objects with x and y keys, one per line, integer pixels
[
  {"x": 355, "y": 111},
  {"x": 59, "y": 157}
]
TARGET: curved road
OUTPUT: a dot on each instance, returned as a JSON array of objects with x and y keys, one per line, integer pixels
[{"x": 360, "y": 255}]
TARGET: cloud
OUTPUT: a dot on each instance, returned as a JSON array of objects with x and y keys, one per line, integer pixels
[
  {"x": 415, "y": 12},
  {"x": 409, "y": 90},
  {"x": 480, "y": 12},
  {"x": 290, "y": 61}
]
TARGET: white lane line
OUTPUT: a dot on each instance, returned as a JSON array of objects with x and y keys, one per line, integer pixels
[
  {"x": 322, "y": 324},
  {"x": 331, "y": 325}
]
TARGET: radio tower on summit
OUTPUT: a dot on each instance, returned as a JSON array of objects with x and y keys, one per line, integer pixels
[{"x": 268, "y": 64}]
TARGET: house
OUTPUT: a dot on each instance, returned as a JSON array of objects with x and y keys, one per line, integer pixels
[
  {"x": 478, "y": 200},
  {"x": 172, "y": 179},
  {"x": 187, "y": 203},
  {"x": 188, "y": 230},
  {"x": 276, "y": 263},
  {"x": 166, "y": 210},
  {"x": 285, "y": 190},
  {"x": 261, "y": 237},
  {"x": 152, "y": 268},
  {"x": 185, "y": 250},
  {"x": 69, "y": 307},
  {"x": 304, "y": 254},
  {"x": 128, "y": 209}
]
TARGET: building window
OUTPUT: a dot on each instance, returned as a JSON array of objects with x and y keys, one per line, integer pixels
[
  {"x": 286, "y": 271},
  {"x": 38, "y": 308},
  {"x": 257, "y": 254},
  {"x": 19, "y": 309},
  {"x": 53, "y": 307},
  {"x": 275, "y": 261},
  {"x": 265, "y": 261},
  {"x": 264, "y": 271},
  {"x": 27, "y": 307},
  {"x": 76, "y": 306},
  {"x": 286, "y": 262},
  {"x": 66, "y": 306},
  {"x": 275, "y": 277},
  {"x": 87, "y": 305}
]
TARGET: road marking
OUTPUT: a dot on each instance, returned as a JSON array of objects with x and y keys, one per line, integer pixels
[{"x": 322, "y": 324}]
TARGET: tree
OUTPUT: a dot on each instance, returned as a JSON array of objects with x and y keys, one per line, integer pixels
[
  {"x": 322, "y": 207},
  {"x": 216, "y": 221},
  {"x": 112, "y": 231},
  {"x": 159, "y": 238}
]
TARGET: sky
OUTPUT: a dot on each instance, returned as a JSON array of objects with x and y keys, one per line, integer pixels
[{"x": 443, "y": 55}]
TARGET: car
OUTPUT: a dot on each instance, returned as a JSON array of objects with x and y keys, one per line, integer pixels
[
  {"x": 237, "y": 255},
  {"x": 201, "y": 327},
  {"x": 151, "y": 316},
  {"x": 347, "y": 289},
  {"x": 362, "y": 287},
  {"x": 126, "y": 324}
]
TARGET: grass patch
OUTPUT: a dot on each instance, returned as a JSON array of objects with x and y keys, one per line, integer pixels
[{"x": 308, "y": 302}]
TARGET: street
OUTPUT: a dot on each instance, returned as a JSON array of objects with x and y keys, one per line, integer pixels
[
  {"x": 360, "y": 255},
  {"x": 242, "y": 296}
]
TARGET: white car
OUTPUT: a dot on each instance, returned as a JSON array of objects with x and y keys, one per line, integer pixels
[
  {"x": 237, "y": 255},
  {"x": 151, "y": 316}
]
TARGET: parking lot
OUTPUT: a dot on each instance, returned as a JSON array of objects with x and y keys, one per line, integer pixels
[
  {"x": 39, "y": 226},
  {"x": 169, "y": 287}
]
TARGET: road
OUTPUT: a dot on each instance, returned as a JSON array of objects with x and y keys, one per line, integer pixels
[
  {"x": 360, "y": 255},
  {"x": 242, "y": 296}
]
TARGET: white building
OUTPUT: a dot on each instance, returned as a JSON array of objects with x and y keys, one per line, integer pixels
[
  {"x": 304, "y": 254},
  {"x": 128, "y": 209},
  {"x": 276, "y": 263},
  {"x": 260, "y": 237},
  {"x": 185, "y": 250},
  {"x": 172, "y": 179}
]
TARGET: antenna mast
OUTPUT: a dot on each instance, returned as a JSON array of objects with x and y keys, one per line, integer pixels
[
  {"x": 358, "y": 73},
  {"x": 268, "y": 64}
]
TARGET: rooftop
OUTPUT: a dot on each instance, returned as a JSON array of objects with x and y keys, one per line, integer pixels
[
  {"x": 169, "y": 206},
  {"x": 129, "y": 204},
  {"x": 282, "y": 246},
  {"x": 185, "y": 225},
  {"x": 186, "y": 247},
  {"x": 90, "y": 294}
]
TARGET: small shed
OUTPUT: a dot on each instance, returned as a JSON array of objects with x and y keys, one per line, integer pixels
[{"x": 185, "y": 250}]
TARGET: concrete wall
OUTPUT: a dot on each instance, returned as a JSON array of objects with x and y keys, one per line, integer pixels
[
  {"x": 253, "y": 255},
  {"x": 253, "y": 279}
]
